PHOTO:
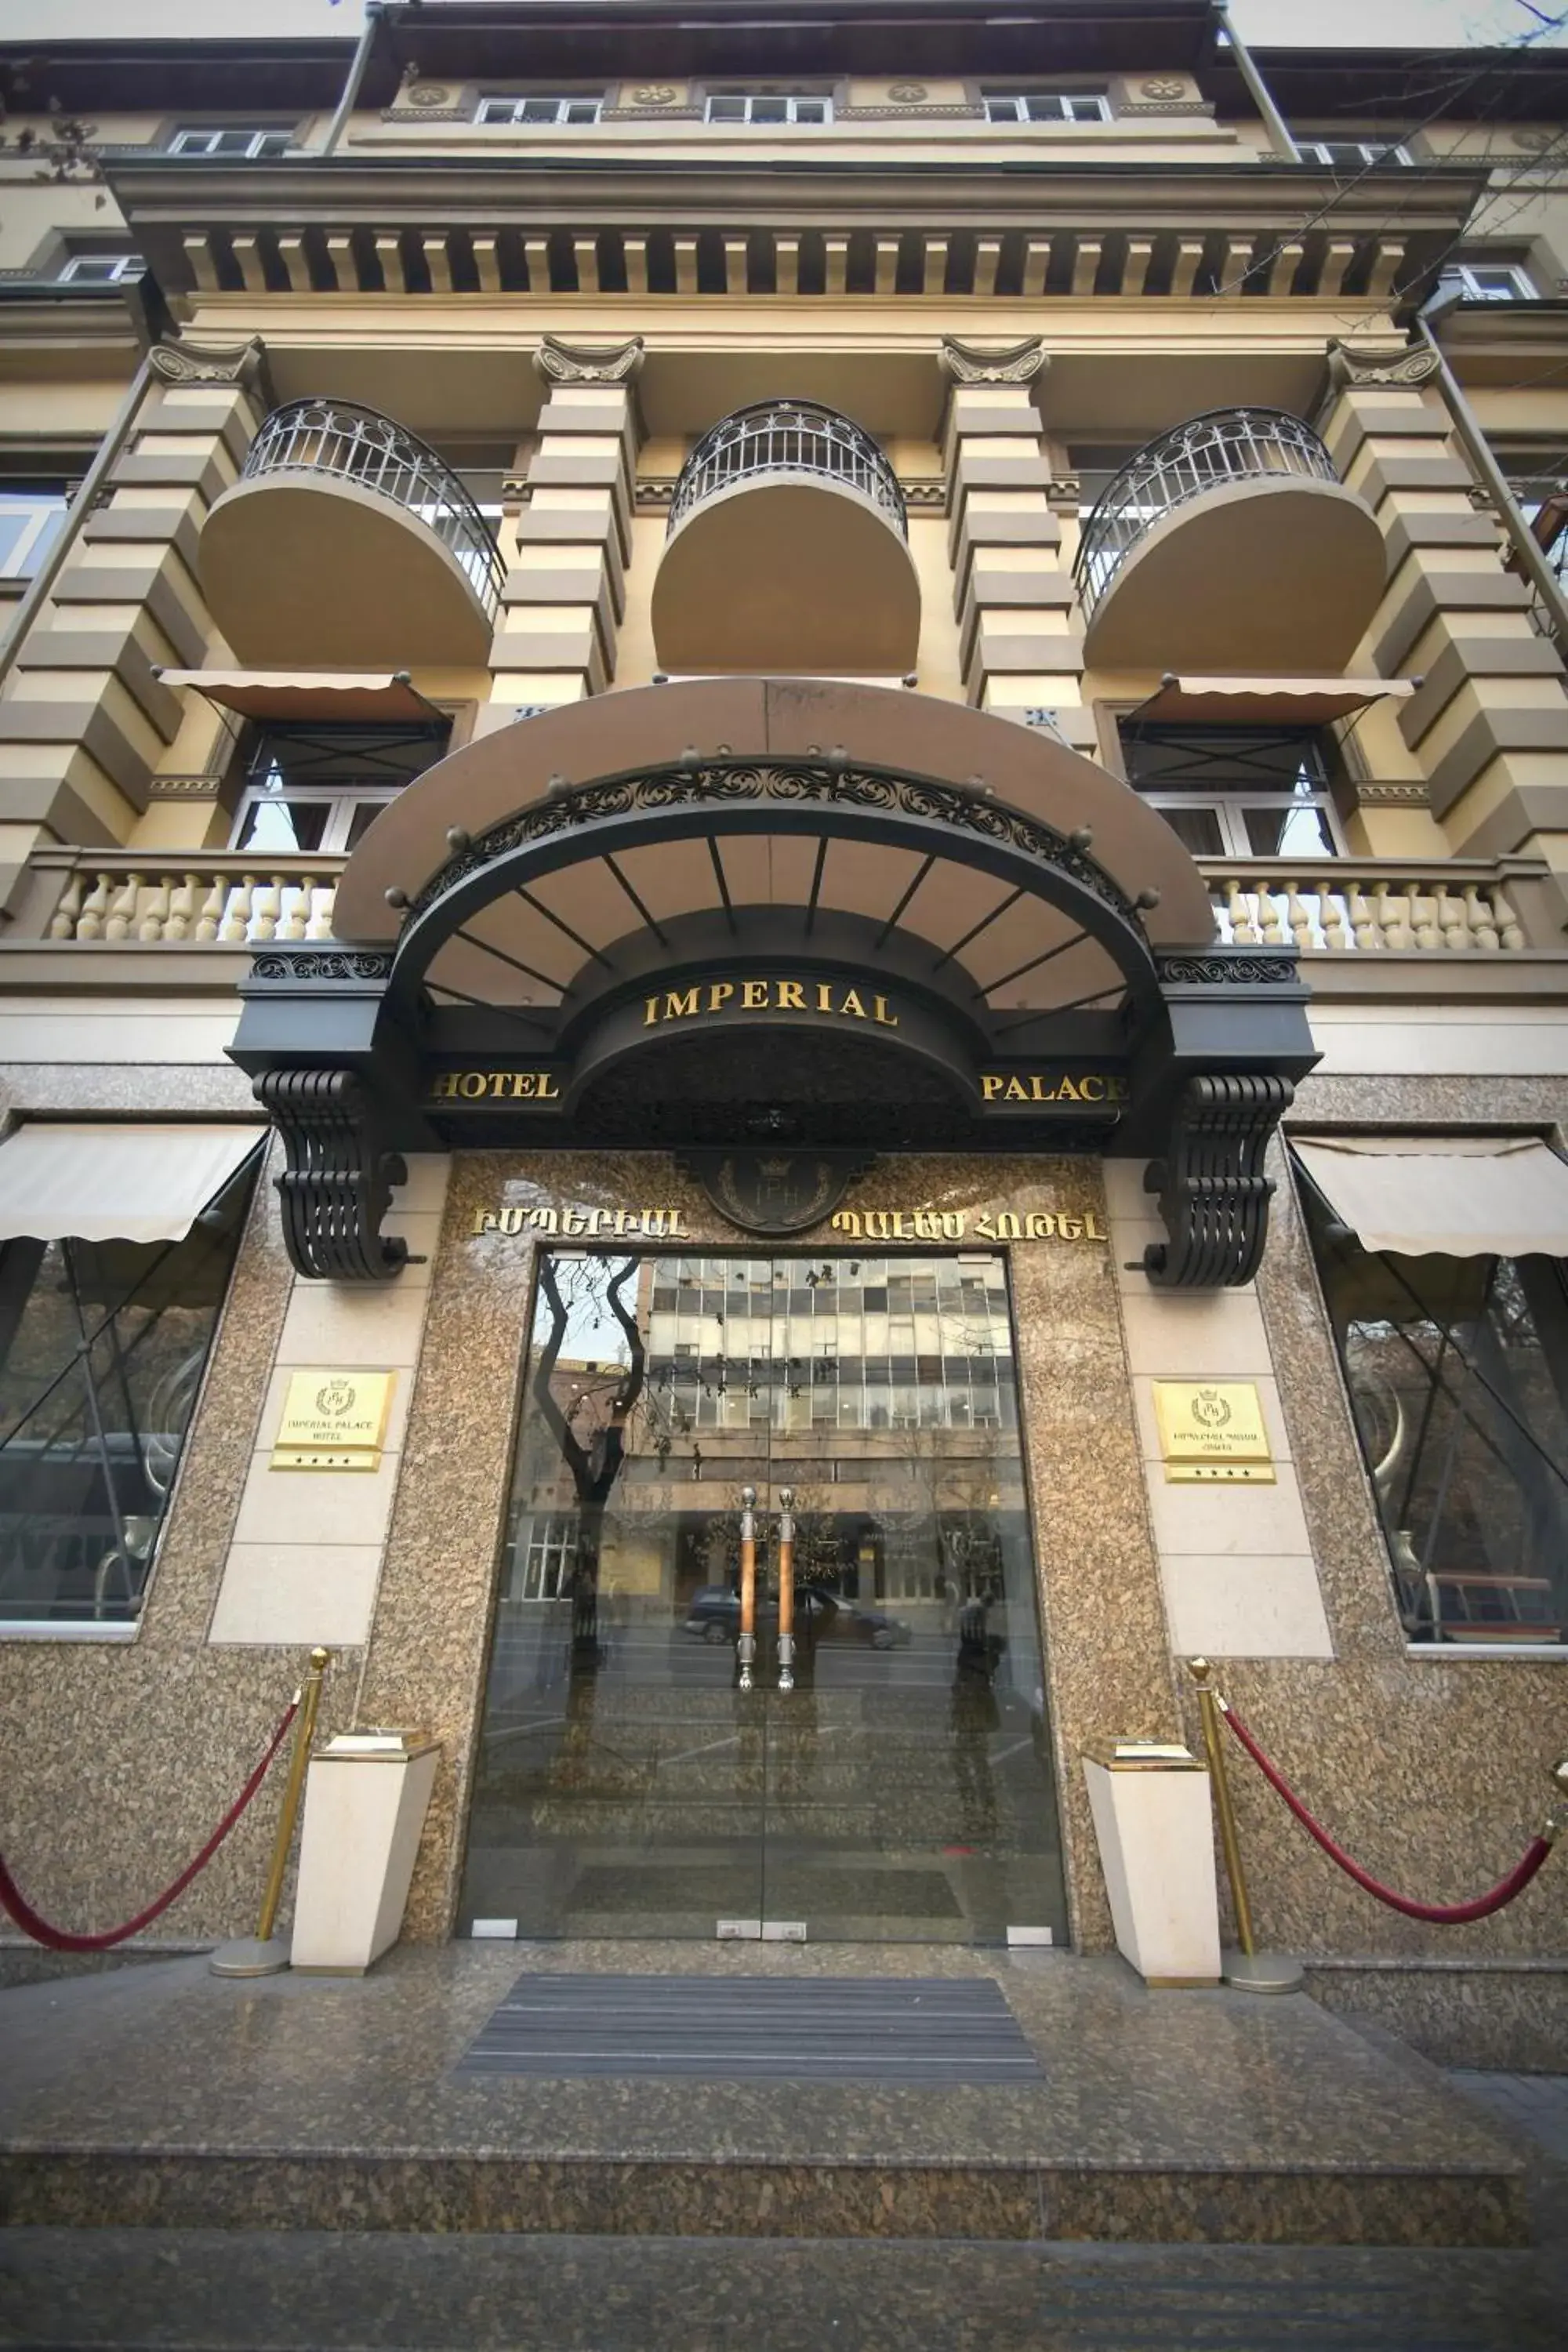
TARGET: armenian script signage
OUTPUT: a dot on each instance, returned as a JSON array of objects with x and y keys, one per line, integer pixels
[{"x": 570, "y": 1221}]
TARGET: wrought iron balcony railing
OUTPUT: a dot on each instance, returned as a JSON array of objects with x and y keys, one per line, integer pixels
[
  {"x": 340, "y": 438},
  {"x": 1208, "y": 453},
  {"x": 787, "y": 436}
]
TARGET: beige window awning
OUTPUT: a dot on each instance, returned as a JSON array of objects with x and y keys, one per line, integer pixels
[
  {"x": 1279, "y": 701},
  {"x": 1453, "y": 1196},
  {"x": 283, "y": 694},
  {"x": 112, "y": 1184}
]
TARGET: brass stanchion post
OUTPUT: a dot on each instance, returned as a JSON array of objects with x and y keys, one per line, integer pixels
[
  {"x": 1250, "y": 1969},
  {"x": 746, "y": 1647},
  {"x": 263, "y": 1954}
]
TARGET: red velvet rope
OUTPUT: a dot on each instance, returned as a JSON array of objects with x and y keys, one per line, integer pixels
[
  {"x": 59, "y": 1941},
  {"x": 1441, "y": 1915}
]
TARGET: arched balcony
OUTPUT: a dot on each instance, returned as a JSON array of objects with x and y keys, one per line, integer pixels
[
  {"x": 787, "y": 550},
  {"x": 347, "y": 540},
  {"x": 1227, "y": 544}
]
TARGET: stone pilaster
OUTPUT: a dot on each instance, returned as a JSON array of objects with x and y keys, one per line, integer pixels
[
  {"x": 563, "y": 604},
  {"x": 1017, "y": 644},
  {"x": 1490, "y": 723},
  {"x": 85, "y": 722}
]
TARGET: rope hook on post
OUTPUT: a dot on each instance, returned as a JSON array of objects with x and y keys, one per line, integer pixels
[
  {"x": 1249, "y": 1970},
  {"x": 264, "y": 1954}
]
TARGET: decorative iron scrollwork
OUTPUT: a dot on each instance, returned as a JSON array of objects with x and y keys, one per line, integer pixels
[
  {"x": 337, "y": 1186},
  {"x": 571, "y": 808},
  {"x": 1214, "y": 1195},
  {"x": 1224, "y": 970},
  {"x": 320, "y": 963}
]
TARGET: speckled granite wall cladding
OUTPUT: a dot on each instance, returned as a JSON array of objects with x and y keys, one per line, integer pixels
[
  {"x": 117, "y": 1760},
  {"x": 1431, "y": 1770},
  {"x": 1108, "y": 1668},
  {"x": 1513, "y": 2017}
]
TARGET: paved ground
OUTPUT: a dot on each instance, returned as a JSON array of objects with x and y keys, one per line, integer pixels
[{"x": 1536, "y": 2104}]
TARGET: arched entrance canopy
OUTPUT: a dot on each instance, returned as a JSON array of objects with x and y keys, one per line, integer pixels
[{"x": 736, "y": 910}]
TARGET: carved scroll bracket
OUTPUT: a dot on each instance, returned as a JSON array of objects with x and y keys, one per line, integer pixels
[
  {"x": 993, "y": 363},
  {"x": 1214, "y": 1195},
  {"x": 337, "y": 1185},
  {"x": 560, "y": 363},
  {"x": 244, "y": 364}
]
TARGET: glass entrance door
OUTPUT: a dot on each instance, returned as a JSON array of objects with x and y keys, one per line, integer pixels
[{"x": 892, "y": 1779}]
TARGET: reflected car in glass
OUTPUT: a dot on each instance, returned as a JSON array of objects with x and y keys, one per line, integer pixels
[{"x": 715, "y": 1615}]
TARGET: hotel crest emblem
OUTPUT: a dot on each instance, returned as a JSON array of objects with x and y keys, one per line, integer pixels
[{"x": 773, "y": 1191}]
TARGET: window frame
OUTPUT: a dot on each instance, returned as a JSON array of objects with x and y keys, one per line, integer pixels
[
  {"x": 1368, "y": 153},
  {"x": 789, "y": 99},
  {"x": 342, "y": 796},
  {"x": 262, "y": 141},
  {"x": 22, "y": 563},
  {"x": 1470, "y": 272},
  {"x": 1229, "y": 802},
  {"x": 1096, "y": 103},
  {"x": 563, "y": 119},
  {"x": 84, "y": 268}
]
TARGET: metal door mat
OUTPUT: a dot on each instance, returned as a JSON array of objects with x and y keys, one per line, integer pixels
[{"x": 908, "y": 2030}]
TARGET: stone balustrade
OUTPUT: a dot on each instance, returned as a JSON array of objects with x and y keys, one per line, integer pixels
[
  {"x": 201, "y": 900},
  {"x": 1351, "y": 907}
]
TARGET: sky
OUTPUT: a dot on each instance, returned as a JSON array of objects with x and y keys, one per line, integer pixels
[{"x": 1419, "y": 24}]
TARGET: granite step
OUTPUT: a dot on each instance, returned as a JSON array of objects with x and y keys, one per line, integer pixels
[
  {"x": 163, "y": 2097},
  {"x": 248, "y": 2291}
]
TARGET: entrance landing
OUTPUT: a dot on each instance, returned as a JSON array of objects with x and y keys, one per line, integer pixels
[{"x": 161, "y": 2095}]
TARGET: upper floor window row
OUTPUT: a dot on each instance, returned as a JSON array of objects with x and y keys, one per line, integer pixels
[
  {"x": 758, "y": 106},
  {"x": 240, "y": 139},
  {"x": 1046, "y": 106}
]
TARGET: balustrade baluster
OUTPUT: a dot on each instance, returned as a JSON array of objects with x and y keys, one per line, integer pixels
[
  {"x": 323, "y": 902},
  {"x": 182, "y": 913},
  {"x": 1424, "y": 918},
  {"x": 63, "y": 925},
  {"x": 1364, "y": 926},
  {"x": 265, "y": 906},
  {"x": 1482, "y": 916},
  {"x": 1331, "y": 919},
  {"x": 121, "y": 914},
  {"x": 211, "y": 916},
  {"x": 95, "y": 909},
  {"x": 1393, "y": 915},
  {"x": 1238, "y": 908},
  {"x": 1298, "y": 917},
  {"x": 1510, "y": 930},
  {"x": 155, "y": 910},
  {"x": 296, "y": 906},
  {"x": 1270, "y": 921},
  {"x": 1452, "y": 921},
  {"x": 236, "y": 909}
]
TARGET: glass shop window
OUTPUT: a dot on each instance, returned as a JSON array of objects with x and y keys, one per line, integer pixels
[
  {"x": 102, "y": 1349},
  {"x": 1237, "y": 792},
  {"x": 1458, "y": 1374},
  {"x": 320, "y": 787}
]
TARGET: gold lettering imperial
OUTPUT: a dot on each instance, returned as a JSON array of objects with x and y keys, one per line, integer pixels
[{"x": 828, "y": 997}]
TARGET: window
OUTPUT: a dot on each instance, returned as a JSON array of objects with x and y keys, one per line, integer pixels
[
  {"x": 1455, "y": 1370},
  {"x": 1539, "y": 480},
  {"x": 540, "y": 112},
  {"x": 1490, "y": 282},
  {"x": 239, "y": 139},
  {"x": 547, "y": 1558},
  {"x": 1046, "y": 106},
  {"x": 1350, "y": 154},
  {"x": 754, "y": 106},
  {"x": 1236, "y": 792},
  {"x": 102, "y": 1348},
  {"x": 320, "y": 787},
  {"x": 100, "y": 268},
  {"x": 31, "y": 520}
]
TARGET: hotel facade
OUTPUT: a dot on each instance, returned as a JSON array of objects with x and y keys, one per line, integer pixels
[{"x": 800, "y": 784}]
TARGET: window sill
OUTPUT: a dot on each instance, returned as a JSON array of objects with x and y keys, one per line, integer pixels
[
  {"x": 41, "y": 1629},
  {"x": 1448, "y": 1652}
]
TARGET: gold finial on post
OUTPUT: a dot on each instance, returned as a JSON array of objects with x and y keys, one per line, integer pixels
[
  {"x": 263, "y": 1955},
  {"x": 1253, "y": 1972}
]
